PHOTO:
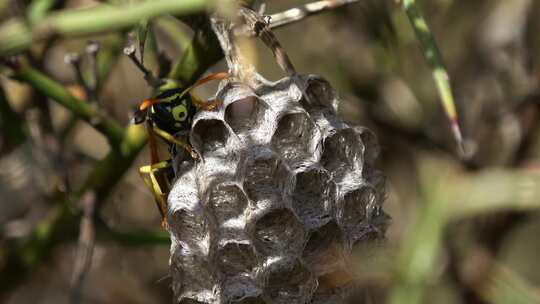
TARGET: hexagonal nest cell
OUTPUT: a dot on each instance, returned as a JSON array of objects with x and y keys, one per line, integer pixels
[
  {"x": 244, "y": 113},
  {"x": 314, "y": 197},
  {"x": 266, "y": 178},
  {"x": 209, "y": 136},
  {"x": 289, "y": 281},
  {"x": 295, "y": 139},
  {"x": 236, "y": 258},
  {"x": 278, "y": 232},
  {"x": 227, "y": 202}
]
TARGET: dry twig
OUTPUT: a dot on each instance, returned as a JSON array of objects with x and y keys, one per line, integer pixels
[
  {"x": 85, "y": 249},
  {"x": 298, "y": 13}
]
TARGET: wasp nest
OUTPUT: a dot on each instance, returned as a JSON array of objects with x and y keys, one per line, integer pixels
[{"x": 283, "y": 193}]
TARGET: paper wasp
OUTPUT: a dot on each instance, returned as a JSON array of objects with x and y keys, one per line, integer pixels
[{"x": 167, "y": 114}]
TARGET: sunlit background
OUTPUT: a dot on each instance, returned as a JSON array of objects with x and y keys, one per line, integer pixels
[{"x": 462, "y": 231}]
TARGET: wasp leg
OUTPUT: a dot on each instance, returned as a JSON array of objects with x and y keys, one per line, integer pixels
[
  {"x": 149, "y": 175},
  {"x": 171, "y": 139},
  {"x": 207, "y": 106},
  {"x": 154, "y": 157}
]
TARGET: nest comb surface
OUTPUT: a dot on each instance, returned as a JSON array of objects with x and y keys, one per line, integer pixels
[{"x": 284, "y": 191}]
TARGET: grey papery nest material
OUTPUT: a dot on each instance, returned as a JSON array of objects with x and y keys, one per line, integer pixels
[{"x": 284, "y": 192}]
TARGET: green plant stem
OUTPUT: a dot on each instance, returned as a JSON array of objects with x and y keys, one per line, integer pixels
[
  {"x": 447, "y": 196},
  {"x": 21, "y": 257},
  {"x": 80, "y": 108},
  {"x": 506, "y": 286},
  {"x": 105, "y": 175},
  {"x": 111, "y": 48},
  {"x": 134, "y": 238},
  {"x": 492, "y": 191},
  {"x": 420, "y": 249},
  {"x": 16, "y": 35},
  {"x": 102, "y": 179},
  {"x": 62, "y": 222},
  {"x": 203, "y": 52},
  {"x": 38, "y": 9},
  {"x": 171, "y": 27},
  {"x": 433, "y": 56}
]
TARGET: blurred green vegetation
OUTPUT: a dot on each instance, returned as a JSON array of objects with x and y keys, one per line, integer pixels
[{"x": 464, "y": 230}]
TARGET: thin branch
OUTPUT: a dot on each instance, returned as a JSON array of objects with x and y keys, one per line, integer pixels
[
  {"x": 61, "y": 222},
  {"x": 50, "y": 88},
  {"x": 492, "y": 191},
  {"x": 16, "y": 35},
  {"x": 492, "y": 281},
  {"x": 38, "y": 9},
  {"x": 424, "y": 35},
  {"x": 296, "y": 14},
  {"x": 57, "y": 225},
  {"x": 446, "y": 196},
  {"x": 85, "y": 248},
  {"x": 133, "y": 237},
  {"x": 440, "y": 75},
  {"x": 131, "y": 51},
  {"x": 504, "y": 285},
  {"x": 92, "y": 50},
  {"x": 75, "y": 61},
  {"x": 259, "y": 25},
  {"x": 109, "y": 51},
  {"x": 46, "y": 148}
]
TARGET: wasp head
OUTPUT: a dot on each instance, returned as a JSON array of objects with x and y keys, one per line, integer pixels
[{"x": 139, "y": 116}]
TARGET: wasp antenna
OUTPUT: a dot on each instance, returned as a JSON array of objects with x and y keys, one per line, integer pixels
[{"x": 213, "y": 76}]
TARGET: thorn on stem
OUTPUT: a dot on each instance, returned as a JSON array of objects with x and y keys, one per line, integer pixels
[
  {"x": 76, "y": 62},
  {"x": 462, "y": 150},
  {"x": 92, "y": 49},
  {"x": 130, "y": 51},
  {"x": 74, "y": 59}
]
